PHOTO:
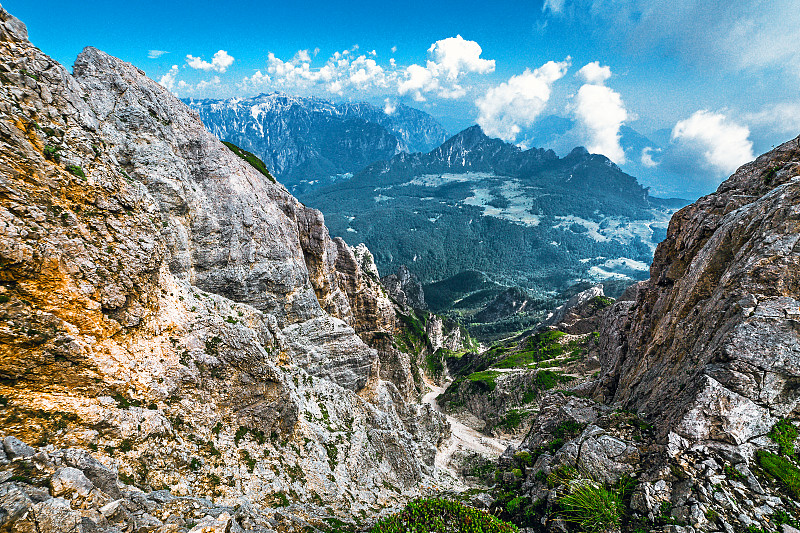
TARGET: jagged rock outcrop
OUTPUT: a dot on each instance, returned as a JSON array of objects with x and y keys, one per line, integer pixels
[
  {"x": 698, "y": 395},
  {"x": 405, "y": 289},
  {"x": 581, "y": 313},
  {"x": 708, "y": 347},
  {"x": 168, "y": 307}
]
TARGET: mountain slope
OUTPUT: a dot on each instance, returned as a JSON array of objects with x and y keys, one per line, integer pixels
[
  {"x": 522, "y": 216},
  {"x": 303, "y": 140},
  {"x": 169, "y": 312}
]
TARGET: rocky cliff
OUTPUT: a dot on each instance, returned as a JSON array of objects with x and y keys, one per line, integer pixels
[
  {"x": 691, "y": 424},
  {"x": 709, "y": 347},
  {"x": 170, "y": 308}
]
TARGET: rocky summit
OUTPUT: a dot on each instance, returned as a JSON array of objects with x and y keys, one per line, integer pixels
[{"x": 185, "y": 348}]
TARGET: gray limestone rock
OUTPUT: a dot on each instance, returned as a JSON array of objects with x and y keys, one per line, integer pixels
[{"x": 16, "y": 449}]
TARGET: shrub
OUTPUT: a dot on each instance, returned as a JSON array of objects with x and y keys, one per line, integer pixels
[
  {"x": 784, "y": 434},
  {"x": 442, "y": 516},
  {"x": 51, "y": 153},
  {"x": 75, "y": 170},
  {"x": 592, "y": 507},
  {"x": 782, "y": 469}
]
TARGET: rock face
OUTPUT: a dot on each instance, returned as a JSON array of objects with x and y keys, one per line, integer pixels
[
  {"x": 707, "y": 353},
  {"x": 708, "y": 347},
  {"x": 405, "y": 289},
  {"x": 165, "y": 305}
]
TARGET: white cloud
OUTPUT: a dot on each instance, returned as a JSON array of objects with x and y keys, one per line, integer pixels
[
  {"x": 168, "y": 80},
  {"x": 389, "y": 107},
  {"x": 450, "y": 60},
  {"x": 647, "y": 156},
  {"x": 220, "y": 62},
  {"x": 507, "y": 108},
  {"x": 456, "y": 56},
  {"x": 783, "y": 118},
  {"x": 601, "y": 112},
  {"x": 394, "y": 49},
  {"x": 418, "y": 80},
  {"x": 155, "y": 54},
  {"x": 724, "y": 144},
  {"x": 594, "y": 73}
]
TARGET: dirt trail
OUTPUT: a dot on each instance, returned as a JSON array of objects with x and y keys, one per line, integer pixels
[{"x": 463, "y": 437}]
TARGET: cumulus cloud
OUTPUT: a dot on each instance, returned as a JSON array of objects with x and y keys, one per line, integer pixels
[
  {"x": 450, "y": 60},
  {"x": 456, "y": 56},
  {"x": 219, "y": 63},
  {"x": 507, "y": 108},
  {"x": 600, "y": 112},
  {"x": 724, "y": 144},
  {"x": 169, "y": 79},
  {"x": 594, "y": 73},
  {"x": 389, "y": 107},
  {"x": 343, "y": 70},
  {"x": 697, "y": 30},
  {"x": 155, "y": 54}
]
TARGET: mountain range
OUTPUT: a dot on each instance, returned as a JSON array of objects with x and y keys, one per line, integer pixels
[
  {"x": 309, "y": 140},
  {"x": 524, "y": 217}
]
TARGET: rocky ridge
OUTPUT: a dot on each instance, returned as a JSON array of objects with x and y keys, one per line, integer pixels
[
  {"x": 691, "y": 423},
  {"x": 167, "y": 307}
]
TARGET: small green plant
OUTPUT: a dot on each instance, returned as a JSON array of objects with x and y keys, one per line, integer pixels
[
  {"x": 592, "y": 507},
  {"x": 51, "y": 153},
  {"x": 769, "y": 177},
  {"x": 4, "y": 298},
  {"x": 712, "y": 516},
  {"x": 31, "y": 75},
  {"x": 732, "y": 473},
  {"x": 781, "y": 469},
  {"x": 77, "y": 171},
  {"x": 784, "y": 434}
]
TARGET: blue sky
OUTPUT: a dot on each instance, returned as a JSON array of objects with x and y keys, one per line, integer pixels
[{"x": 709, "y": 84}]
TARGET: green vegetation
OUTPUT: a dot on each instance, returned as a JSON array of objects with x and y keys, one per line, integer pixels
[
  {"x": 256, "y": 434},
  {"x": 251, "y": 158},
  {"x": 75, "y": 170},
  {"x": 591, "y": 506},
  {"x": 31, "y": 75},
  {"x": 542, "y": 346},
  {"x": 781, "y": 469},
  {"x": 601, "y": 302},
  {"x": 770, "y": 175},
  {"x": 511, "y": 420},
  {"x": 784, "y": 434},
  {"x": 51, "y": 153},
  {"x": 441, "y": 516},
  {"x": 547, "y": 379},
  {"x": 485, "y": 379}
]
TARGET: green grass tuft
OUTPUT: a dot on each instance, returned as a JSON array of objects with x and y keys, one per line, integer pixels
[
  {"x": 592, "y": 507},
  {"x": 784, "y": 434},
  {"x": 251, "y": 158},
  {"x": 782, "y": 469}
]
